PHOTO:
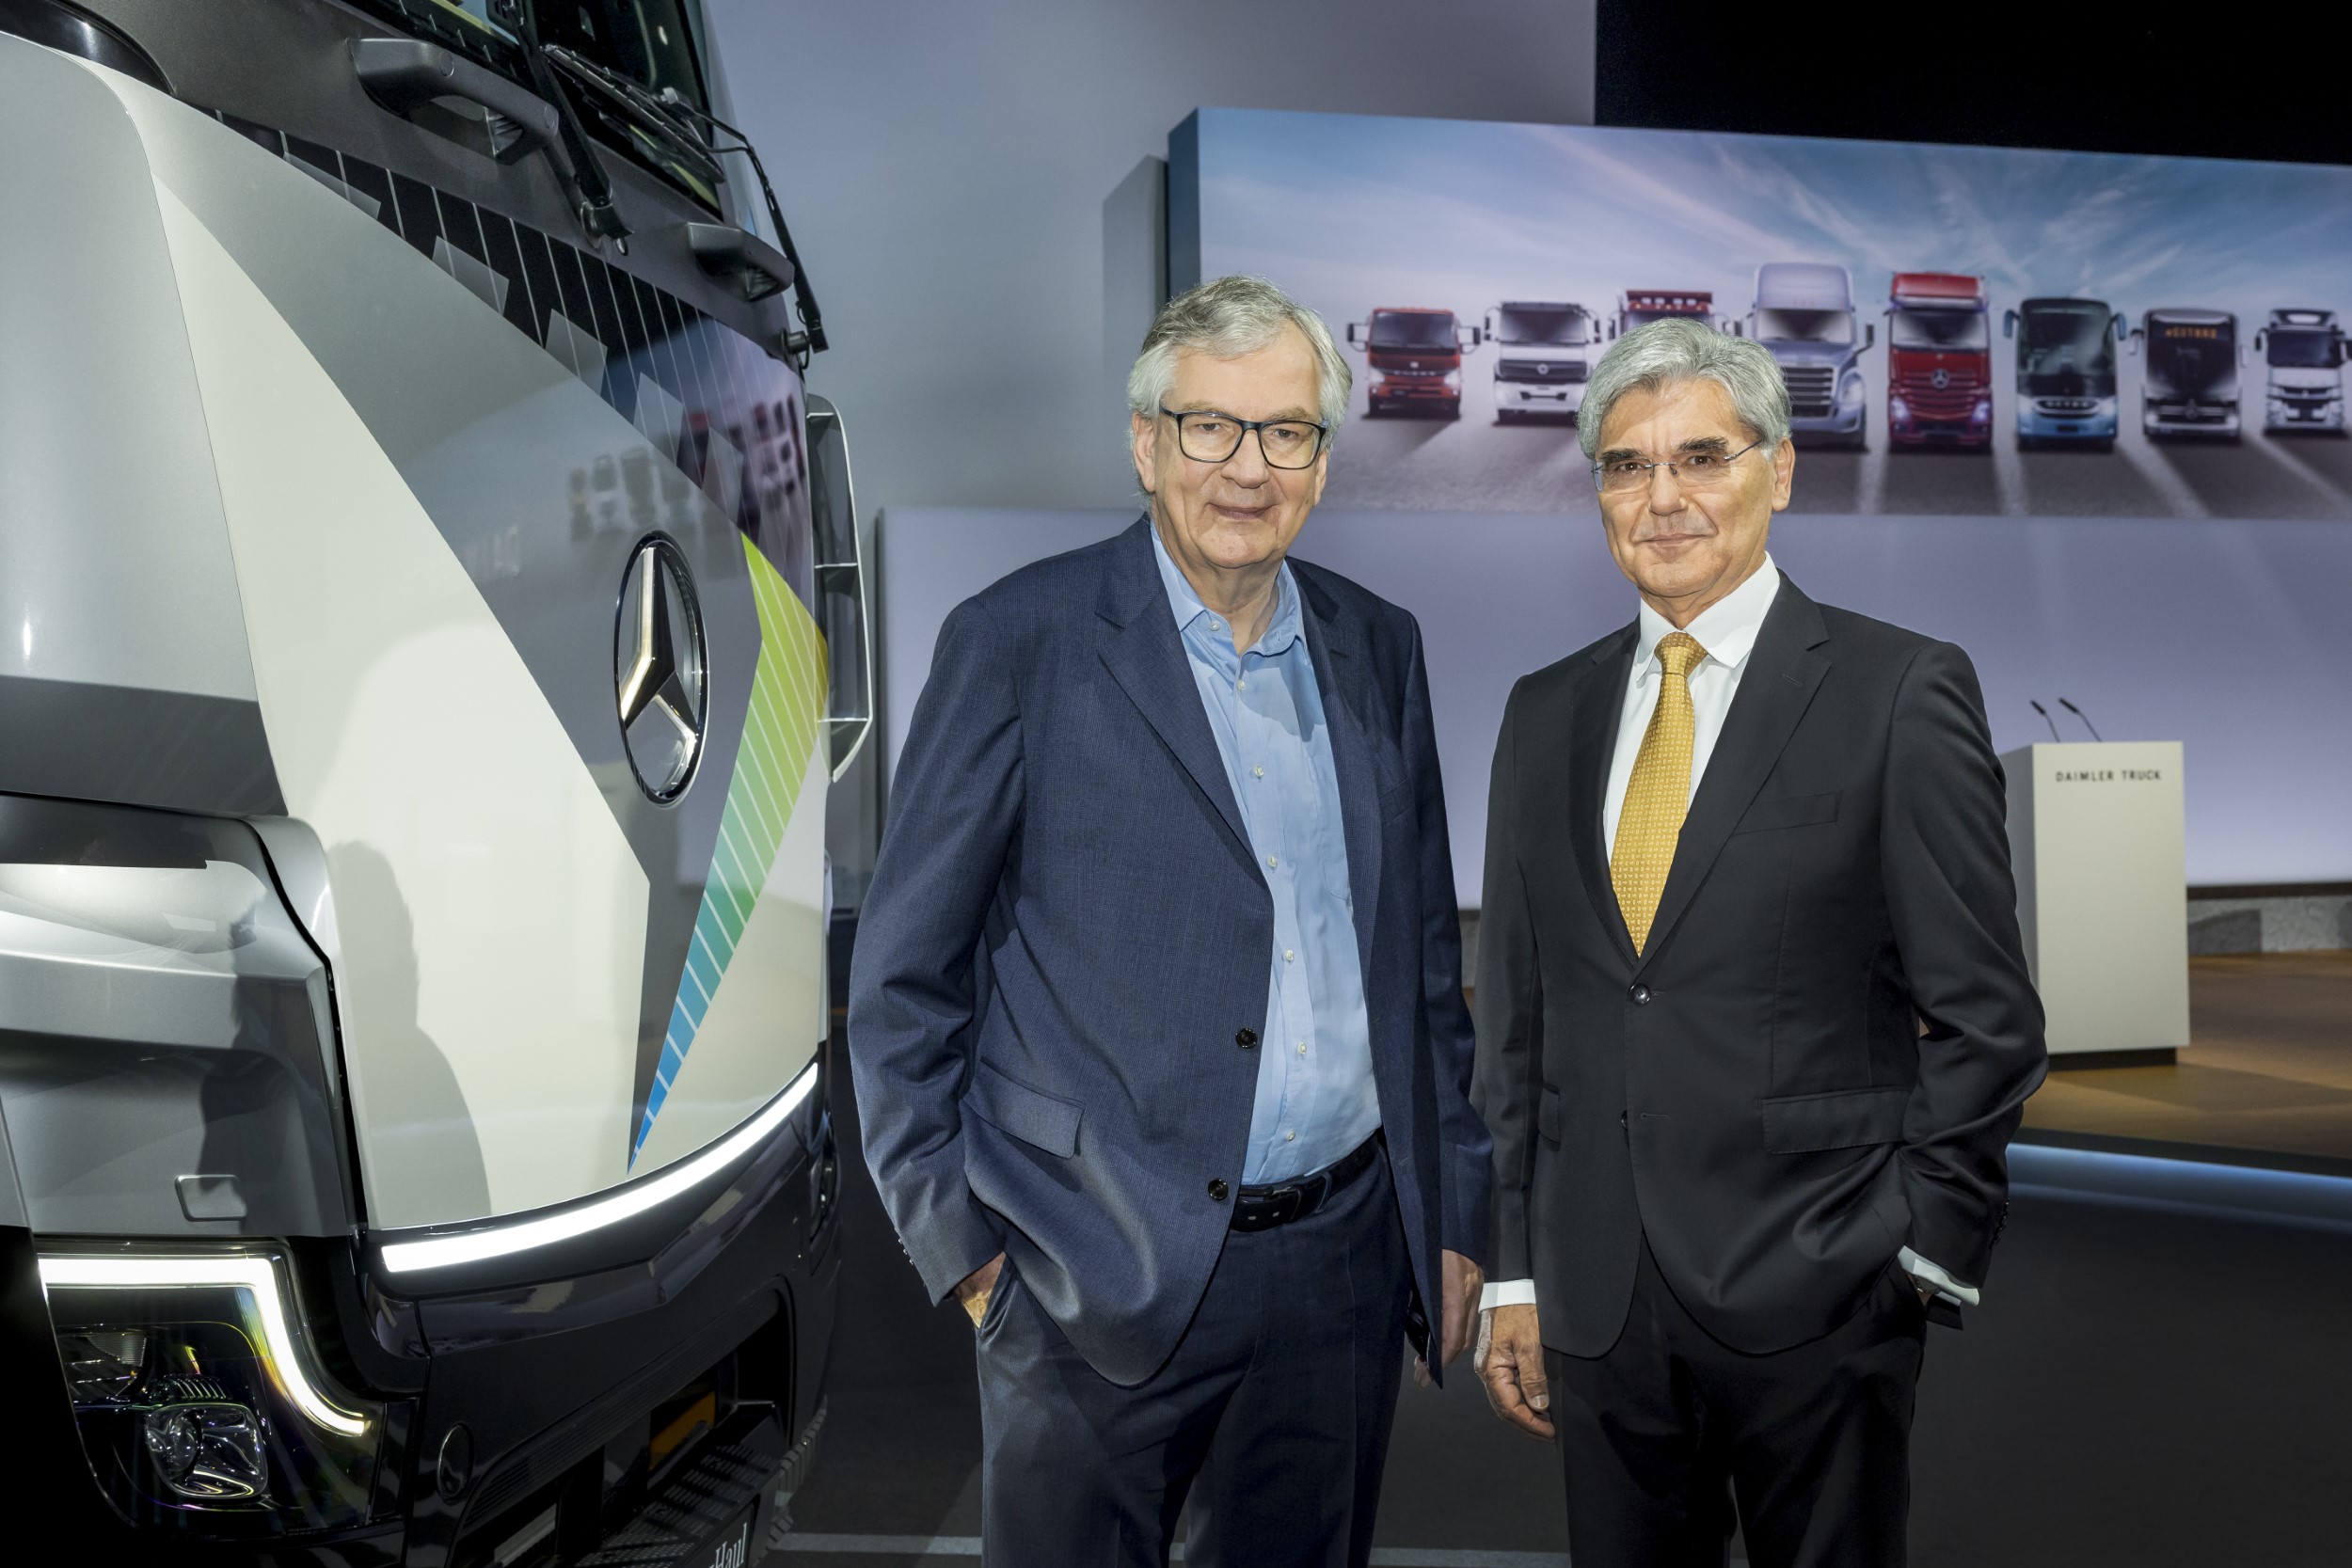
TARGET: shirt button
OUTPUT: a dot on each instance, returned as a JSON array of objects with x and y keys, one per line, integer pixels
[
  {"x": 1256, "y": 772},
  {"x": 1245, "y": 1037},
  {"x": 1640, "y": 995},
  {"x": 1273, "y": 863},
  {"x": 1302, "y": 1047},
  {"x": 1290, "y": 1138},
  {"x": 1288, "y": 956},
  {"x": 1216, "y": 1189}
]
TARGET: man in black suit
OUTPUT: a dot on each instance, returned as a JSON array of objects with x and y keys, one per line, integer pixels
[{"x": 1754, "y": 1019}]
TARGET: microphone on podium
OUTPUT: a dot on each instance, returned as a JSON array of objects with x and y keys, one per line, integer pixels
[
  {"x": 2047, "y": 720},
  {"x": 2081, "y": 715}
]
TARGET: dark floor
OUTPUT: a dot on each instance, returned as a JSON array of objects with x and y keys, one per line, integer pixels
[{"x": 2147, "y": 1385}]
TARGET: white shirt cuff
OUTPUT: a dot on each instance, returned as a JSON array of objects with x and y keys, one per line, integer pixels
[
  {"x": 1933, "y": 1274},
  {"x": 1506, "y": 1292}
]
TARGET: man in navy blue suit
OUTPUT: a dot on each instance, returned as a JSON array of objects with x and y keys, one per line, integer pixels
[{"x": 1156, "y": 1013}]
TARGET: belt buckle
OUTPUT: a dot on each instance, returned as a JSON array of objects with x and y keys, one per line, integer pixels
[{"x": 1283, "y": 1204}]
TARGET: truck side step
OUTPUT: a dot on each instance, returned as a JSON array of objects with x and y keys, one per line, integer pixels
[{"x": 710, "y": 1514}]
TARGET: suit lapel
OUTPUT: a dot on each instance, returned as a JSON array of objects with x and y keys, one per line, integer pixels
[
  {"x": 1334, "y": 641},
  {"x": 1145, "y": 655},
  {"x": 1592, "y": 744},
  {"x": 1785, "y": 670}
]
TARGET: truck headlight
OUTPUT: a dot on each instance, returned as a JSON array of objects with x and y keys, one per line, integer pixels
[
  {"x": 1898, "y": 410},
  {"x": 198, "y": 1402},
  {"x": 1454, "y": 380},
  {"x": 1850, "y": 391},
  {"x": 1982, "y": 412}
]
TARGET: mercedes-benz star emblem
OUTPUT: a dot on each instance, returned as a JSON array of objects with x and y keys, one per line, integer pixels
[
  {"x": 1941, "y": 378},
  {"x": 658, "y": 668}
]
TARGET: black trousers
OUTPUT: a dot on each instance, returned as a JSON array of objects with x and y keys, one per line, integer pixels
[
  {"x": 1665, "y": 1433},
  {"x": 1272, "y": 1415}
]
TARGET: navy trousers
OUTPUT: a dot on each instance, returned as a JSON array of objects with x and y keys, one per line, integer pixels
[
  {"x": 1669, "y": 1430},
  {"x": 1271, "y": 1419}
]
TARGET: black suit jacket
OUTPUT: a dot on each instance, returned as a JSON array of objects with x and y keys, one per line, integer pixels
[{"x": 1821, "y": 1055}]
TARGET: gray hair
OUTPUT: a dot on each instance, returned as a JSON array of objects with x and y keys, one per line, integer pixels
[
  {"x": 1680, "y": 348},
  {"x": 1229, "y": 316}
]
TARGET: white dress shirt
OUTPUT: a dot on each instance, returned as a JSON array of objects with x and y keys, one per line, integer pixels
[{"x": 1728, "y": 630}]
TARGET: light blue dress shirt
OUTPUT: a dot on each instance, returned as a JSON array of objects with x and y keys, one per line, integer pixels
[{"x": 1317, "y": 1099}]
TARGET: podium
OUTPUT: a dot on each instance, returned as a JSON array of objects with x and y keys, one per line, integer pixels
[{"x": 2095, "y": 835}]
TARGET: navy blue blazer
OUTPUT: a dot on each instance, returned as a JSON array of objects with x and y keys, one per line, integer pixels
[{"x": 1061, "y": 964}]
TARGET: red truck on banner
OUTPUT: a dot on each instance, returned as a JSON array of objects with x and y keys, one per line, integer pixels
[
  {"x": 1939, "y": 361},
  {"x": 1641, "y": 307},
  {"x": 1415, "y": 354}
]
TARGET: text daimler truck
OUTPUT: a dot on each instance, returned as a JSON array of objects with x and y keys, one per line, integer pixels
[
  {"x": 432, "y": 624},
  {"x": 2189, "y": 376},
  {"x": 2304, "y": 351},
  {"x": 2066, "y": 352},
  {"x": 1939, "y": 361},
  {"x": 1543, "y": 354},
  {"x": 1804, "y": 312},
  {"x": 1641, "y": 307},
  {"x": 1414, "y": 354}
]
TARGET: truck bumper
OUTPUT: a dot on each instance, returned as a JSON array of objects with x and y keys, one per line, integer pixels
[
  {"x": 2203, "y": 423},
  {"x": 546, "y": 1380},
  {"x": 1560, "y": 399},
  {"x": 1842, "y": 428},
  {"x": 2067, "y": 425},
  {"x": 2323, "y": 418}
]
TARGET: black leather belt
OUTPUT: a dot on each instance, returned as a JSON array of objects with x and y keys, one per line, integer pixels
[{"x": 1263, "y": 1208}]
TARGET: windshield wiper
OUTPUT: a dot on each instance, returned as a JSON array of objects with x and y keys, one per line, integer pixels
[
  {"x": 593, "y": 188},
  {"x": 645, "y": 112},
  {"x": 810, "y": 338}
]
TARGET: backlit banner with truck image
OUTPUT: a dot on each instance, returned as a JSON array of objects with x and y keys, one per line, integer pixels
[{"x": 1968, "y": 331}]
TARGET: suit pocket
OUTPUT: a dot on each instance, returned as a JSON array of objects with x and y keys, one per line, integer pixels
[
  {"x": 1547, "y": 1114},
  {"x": 1852, "y": 1118},
  {"x": 1788, "y": 811},
  {"x": 1034, "y": 1118}
]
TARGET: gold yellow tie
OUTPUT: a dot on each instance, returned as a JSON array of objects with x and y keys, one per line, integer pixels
[{"x": 1658, "y": 793}]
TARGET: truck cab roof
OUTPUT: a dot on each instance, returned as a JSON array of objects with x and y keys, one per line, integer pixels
[
  {"x": 2293, "y": 316},
  {"x": 1946, "y": 290},
  {"x": 2179, "y": 315},
  {"x": 1802, "y": 286},
  {"x": 1679, "y": 302}
]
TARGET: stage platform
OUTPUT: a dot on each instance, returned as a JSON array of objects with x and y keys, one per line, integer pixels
[{"x": 2266, "y": 1081}]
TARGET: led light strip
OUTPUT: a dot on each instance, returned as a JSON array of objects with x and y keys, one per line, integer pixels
[
  {"x": 472, "y": 1246},
  {"x": 254, "y": 1276}
]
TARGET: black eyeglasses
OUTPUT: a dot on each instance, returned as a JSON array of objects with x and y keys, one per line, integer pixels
[{"x": 1208, "y": 436}]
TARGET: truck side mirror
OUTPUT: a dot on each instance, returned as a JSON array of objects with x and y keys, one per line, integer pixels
[
  {"x": 2261, "y": 340},
  {"x": 2008, "y": 324},
  {"x": 2131, "y": 341},
  {"x": 1869, "y": 334},
  {"x": 2121, "y": 327},
  {"x": 1353, "y": 341}
]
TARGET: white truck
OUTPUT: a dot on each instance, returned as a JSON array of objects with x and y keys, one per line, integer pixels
[
  {"x": 2304, "y": 350},
  {"x": 1543, "y": 354},
  {"x": 1804, "y": 312},
  {"x": 434, "y": 624}
]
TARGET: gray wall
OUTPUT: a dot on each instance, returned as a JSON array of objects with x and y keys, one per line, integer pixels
[{"x": 944, "y": 166}]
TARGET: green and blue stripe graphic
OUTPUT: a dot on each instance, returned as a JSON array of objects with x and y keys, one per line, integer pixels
[{"x": 787, "y": 695}]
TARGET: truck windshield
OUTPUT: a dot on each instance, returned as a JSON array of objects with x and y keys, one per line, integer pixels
[
  {"x": 1517, "y": 323},
  {"x": 1938, "y": 329},
  {"x": 2067, "y": 351},
  {"x": 2305, "y": 348},
  {"x": 644, "y": 41},
  {"x": 1805, "y": 326},
  {"x": 2191, "y": 359},
  {"x": 1413, "y": 330}
]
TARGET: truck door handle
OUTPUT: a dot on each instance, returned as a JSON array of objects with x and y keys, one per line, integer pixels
[
  {"x": 749, "y": 265},
  {"x": 406, "y": 74}
]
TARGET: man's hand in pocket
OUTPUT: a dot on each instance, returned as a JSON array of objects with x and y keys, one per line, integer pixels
[{"x": 973, "y": 1292}]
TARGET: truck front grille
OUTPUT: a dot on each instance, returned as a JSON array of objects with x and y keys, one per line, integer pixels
[
  {"x": 1557, "y": 371},
  {"x": 1811, "y": 390}
]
